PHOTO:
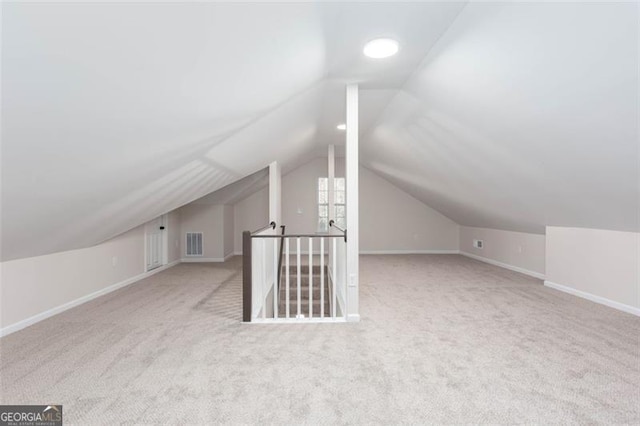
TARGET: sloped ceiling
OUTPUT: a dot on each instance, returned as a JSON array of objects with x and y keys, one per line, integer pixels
[
  {"x": 237, "y": 190},
  {"x": 505, "y": 115},
  {"x": 523, "y": 115}
]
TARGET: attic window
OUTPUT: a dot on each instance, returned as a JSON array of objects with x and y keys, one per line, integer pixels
[{"x": 339, "y": 198}]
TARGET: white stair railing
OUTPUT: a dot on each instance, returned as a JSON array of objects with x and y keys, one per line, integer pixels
[{"x": 270, "y": 296}]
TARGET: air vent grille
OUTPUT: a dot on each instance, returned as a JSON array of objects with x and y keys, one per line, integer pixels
[{"x": 194, "y": 244}]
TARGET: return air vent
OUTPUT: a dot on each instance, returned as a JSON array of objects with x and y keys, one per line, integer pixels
[{"x": 194, "y": 244}]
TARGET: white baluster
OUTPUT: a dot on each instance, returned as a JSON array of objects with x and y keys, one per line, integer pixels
[
  {"x": 344, "y": 281},
  {"x": 263, "y": 302},
  {"x": 321, "y": 277},
  {"x": 335, "y": 277},
  {"x": 276, "y": 293},
  {"x": 286, "y": 249},
  {"x": 299, "y": 273},
  {"x": 310, "y": 277}
]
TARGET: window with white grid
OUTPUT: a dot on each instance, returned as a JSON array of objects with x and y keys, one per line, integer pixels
[{"x": 338, "y": 203}]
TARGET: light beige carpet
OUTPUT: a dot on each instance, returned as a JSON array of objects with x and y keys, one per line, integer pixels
[{"x": 443, "y": 339}]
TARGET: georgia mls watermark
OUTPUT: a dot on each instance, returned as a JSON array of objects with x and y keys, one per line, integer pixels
[{"x": 30, "y": 415}]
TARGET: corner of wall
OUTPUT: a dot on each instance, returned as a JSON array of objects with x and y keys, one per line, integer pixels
[
  {"x": 596, "y": 264},
  {"x": 518, "y": 251}
]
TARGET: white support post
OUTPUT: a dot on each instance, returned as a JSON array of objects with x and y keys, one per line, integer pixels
[
  {"x": 331, "y": 173},
  {"x": 352, "y": 164},
  {"x": 275, "y": 215},
  {"x": 275, "y": 193},
  {"x": 310, "y": 277},
  {"x": 299, "y": 273}
]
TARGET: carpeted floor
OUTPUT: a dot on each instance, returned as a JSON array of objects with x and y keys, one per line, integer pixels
[{"x": 443, "y": 339}]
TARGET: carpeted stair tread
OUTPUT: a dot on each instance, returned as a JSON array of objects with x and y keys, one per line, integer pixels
[
  {"x": 304, "y": 294},
  {"x": 304, "y": 270},
  {"x": 304, "y": 309}
]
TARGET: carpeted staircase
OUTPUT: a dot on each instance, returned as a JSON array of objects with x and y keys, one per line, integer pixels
[{"x": 304, "y": 292}]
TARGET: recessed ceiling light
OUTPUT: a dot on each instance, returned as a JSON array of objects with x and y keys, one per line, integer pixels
[
  {"x": 380, "y": 48},
  {"x": 341, "y": 126}
]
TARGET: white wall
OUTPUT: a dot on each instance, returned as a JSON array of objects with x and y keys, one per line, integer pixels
[
  {"x": 216, "y": 223},
  {"x": 35, "y": 285},
  {"x": 34, "y": 288},
  {"x": 174, "y": 242},
  {"x": 300, "y": 193},
  {"x": 390, "y": 219},
  {"x": 229, "y": 229},
  {"x": 600, "y": 265},
  {"x": 250, "y": 214},
  {"x": 518, "y": 251}
]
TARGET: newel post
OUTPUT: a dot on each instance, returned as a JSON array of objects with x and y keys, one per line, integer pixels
[{"x": 246, "y": 276}]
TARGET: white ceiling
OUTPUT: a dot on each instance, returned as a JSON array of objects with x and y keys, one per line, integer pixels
[
  {"x": 238, "y": 190},
  {"x": 523, "y": 115},
  {"x": 511, "y": 116}
]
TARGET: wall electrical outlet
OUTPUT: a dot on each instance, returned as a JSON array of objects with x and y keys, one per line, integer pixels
[{"x": 479, "y": 244}]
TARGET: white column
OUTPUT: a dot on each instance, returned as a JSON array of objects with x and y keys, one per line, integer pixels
[
  {"x": 331, "y": 169},
  {"x": 275, "y": 194},
  {"x": 275, "y": 215},
  {"x": 352, "y": 165}
]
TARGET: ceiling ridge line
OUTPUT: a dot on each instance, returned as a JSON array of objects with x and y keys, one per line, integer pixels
[
  {"x": 317, "y": 83},
  {"x": 414, "y": 72}
]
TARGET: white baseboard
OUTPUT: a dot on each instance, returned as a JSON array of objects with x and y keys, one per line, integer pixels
[
  {"x": 79, "y": 301},
  {"x": 597, "y": 299},
  {"x": 314, "y": 320},
  {"x": 207, "y": 259},
  {"x": 504, "y": 265},
  {"x": 409, "y": 251},
  {"x": 306, "y": 252}
]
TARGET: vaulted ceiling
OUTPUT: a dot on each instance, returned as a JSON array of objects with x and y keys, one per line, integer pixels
[{"x": 505, "y": 115}]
